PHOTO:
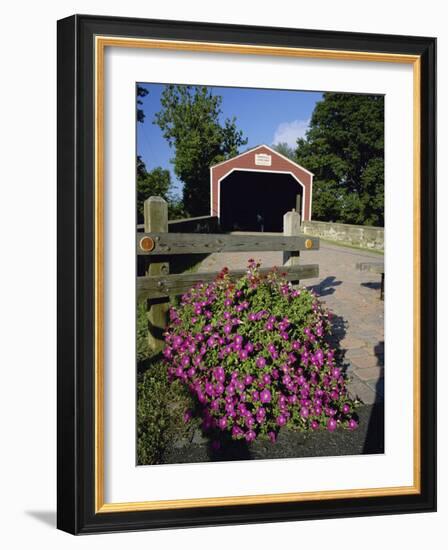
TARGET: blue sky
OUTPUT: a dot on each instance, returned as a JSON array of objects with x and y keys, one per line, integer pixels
[{"x": 264, "y": 116}]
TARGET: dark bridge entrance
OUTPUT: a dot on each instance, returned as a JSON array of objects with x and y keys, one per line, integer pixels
[{"x": 256, "y": 201}]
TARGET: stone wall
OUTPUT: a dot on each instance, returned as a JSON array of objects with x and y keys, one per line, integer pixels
[{"x": 355, "y": 235}]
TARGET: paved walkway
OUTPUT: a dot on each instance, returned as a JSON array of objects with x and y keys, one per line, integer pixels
[{"x": 353, "y": 297}]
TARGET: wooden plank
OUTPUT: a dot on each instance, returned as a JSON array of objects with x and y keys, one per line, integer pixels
[
  {"x": 371, "y": 267},
  {"x": 170, "y": 285},
  {"x": 181, "y": 221},
  {"x": 156, "y": 219},
  {"x": 198, "y": 243}
]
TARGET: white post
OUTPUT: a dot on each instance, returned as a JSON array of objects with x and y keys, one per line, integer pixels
[{"x": 291, "y": 228}]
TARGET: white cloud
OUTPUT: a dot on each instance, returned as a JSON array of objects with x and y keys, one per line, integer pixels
[{"x": 288, "y": 132}]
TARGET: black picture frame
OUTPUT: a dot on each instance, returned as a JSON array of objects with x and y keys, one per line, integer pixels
[{"x": 76, "y": 479}]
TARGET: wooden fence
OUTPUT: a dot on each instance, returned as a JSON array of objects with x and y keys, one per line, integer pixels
[
  {"x": 199, "y": 224},
  {"x": 158, "y": 245}
]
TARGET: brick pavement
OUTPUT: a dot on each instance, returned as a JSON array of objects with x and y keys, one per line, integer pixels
[{"x": 353, "y": 296}]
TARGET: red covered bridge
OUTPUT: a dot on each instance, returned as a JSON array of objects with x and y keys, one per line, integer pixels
[{"x": 252, "y": 191}]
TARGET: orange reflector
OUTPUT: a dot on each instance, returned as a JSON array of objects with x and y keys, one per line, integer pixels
[
  {"x": 308, "y": 243},
  {"x": 147, "y": 244}
]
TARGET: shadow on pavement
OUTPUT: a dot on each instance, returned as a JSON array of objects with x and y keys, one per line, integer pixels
[
  {"x": 373, "y": 286},
  {"x": 374, "y": 442},
  {"x": 338, "y": 333},
  {"x": 326, "y": 286},
  {"x": 372, "y": 414}
]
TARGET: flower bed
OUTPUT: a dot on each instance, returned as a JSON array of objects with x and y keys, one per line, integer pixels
[{"x": 253, "y": 354}]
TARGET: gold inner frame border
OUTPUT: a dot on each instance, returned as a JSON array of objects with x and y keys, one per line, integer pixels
[{"x": 101, "y": 42}]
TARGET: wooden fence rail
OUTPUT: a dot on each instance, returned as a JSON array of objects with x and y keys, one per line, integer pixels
[
  {"x": 199, "y": 224},
  {"x": 205, "y": 243},
  {"x": 157, "y": 243},
  {"x": 162, "y": 286}
]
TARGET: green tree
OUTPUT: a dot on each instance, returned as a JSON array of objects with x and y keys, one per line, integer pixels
[
  {"x": 140, "y": 92},
  {"x": 284, "y": 149},
  {"x": 190, "y": 122},
  {"x": 156, "y": 182},
  {"x": 344, "y": 148}
]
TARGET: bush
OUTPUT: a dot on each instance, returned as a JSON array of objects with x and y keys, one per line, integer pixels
[
  {"x": 254, "y": 356},
  {"x": 142, "y": 348},
  {"x": 159, "y": 413}
]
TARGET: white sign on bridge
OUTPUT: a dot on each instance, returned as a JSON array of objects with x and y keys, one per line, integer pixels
[{"x": 263, "y": 160}]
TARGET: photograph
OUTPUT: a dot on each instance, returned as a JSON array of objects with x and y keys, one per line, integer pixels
[
  {"x": 260, "y": 273},
  {"x": 246, "y": 263}
]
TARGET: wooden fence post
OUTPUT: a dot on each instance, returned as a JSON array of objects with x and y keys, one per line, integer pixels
[
  {"x": 291, "y": 228},
  {"x": 156, "y": 221}
]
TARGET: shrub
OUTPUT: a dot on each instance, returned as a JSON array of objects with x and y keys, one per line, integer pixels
[
  {"x": 142, "y": 347},
  {"x": 152, "y": 416},
  {"x": 253, "y": 354},
  {"x": 159, "y": 413}
]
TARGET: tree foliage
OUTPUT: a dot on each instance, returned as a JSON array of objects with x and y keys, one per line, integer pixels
[
  {"x": 141, "y": 92},
  {"x": 344, "y": 148},
  {"x": 190, "y": 122},
  {"x": 156, "y": 182},
  {"x": 284, "y": 149}
]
